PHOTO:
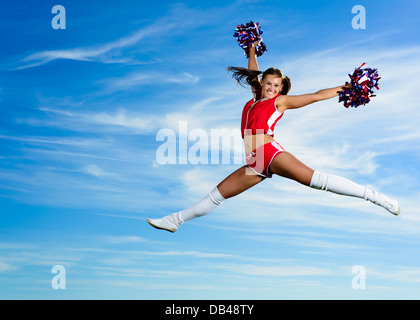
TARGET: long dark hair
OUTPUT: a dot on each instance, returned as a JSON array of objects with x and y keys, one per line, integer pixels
[{"x": 250, "y": 77}]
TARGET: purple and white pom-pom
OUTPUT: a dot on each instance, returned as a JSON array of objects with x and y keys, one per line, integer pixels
[
  {"x": 362, "y": 83},
  {"x": 247, "y": 34}
]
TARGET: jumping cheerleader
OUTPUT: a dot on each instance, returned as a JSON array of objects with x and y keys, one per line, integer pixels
[{"x": 264, "y": 155}]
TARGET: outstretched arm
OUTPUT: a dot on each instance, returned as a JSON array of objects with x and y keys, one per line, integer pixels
[{"x": 292, "y": 102}]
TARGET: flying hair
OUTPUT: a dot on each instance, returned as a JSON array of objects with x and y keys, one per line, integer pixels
[{"x": 249, "y": 77}]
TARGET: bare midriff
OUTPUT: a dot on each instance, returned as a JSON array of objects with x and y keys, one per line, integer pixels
[{"x": 253, "y": 142}]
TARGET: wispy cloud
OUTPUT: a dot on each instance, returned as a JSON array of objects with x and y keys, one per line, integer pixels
[
  {"x": 94, "y": 53},
  {"x": 6, "y": 267},
  {"x": 276, "y": 271},
  {"x": 141, "y": 78},
  {"x": 177, "y": 20},
  {"x": 95, "y": 171}
]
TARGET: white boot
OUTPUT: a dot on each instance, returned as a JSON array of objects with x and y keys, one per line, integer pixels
[
  {"x": 172, "y": 222},
  {"x": 339, "y": 185},
  {"x": 169, "y": 223},
  {"x": 382, "y": 200}
]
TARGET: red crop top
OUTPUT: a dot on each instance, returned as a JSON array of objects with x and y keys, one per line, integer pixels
[{"x": 262, "y": 115}]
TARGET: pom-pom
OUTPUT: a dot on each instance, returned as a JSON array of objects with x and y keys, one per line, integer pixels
[
  {"x": 247, "y": 34},
  {"x": 361, "y": 90}
]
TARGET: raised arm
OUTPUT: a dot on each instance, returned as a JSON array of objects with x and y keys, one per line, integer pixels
[
  {"x": 292, "y": 102},
  {"x": 252, "y": 60}
]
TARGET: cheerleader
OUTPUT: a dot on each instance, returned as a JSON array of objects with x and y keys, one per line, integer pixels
[{"x": 264, "y": 155}]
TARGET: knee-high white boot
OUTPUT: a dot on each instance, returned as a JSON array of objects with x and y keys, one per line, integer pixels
[
  {"x": 172, "y": 222},
  {"x": 339, "y": 185}
]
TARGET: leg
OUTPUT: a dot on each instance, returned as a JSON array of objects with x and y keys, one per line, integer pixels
[
  {"x": 236, "y": 183},
  {"x": 286, "y": 165}
]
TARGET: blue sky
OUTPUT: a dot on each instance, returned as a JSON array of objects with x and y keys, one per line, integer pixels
[{"x": 81, "y": 110}]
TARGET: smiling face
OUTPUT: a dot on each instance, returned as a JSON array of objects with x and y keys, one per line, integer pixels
[{"x": 271, "y": 86}]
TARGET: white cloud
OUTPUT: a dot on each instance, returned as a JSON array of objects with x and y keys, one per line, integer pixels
[
  {"x": 95, "y": 171},
  {"x": 403, "y": 274},
  {"x": 276, "y": 271},
  {"x": 199, "y": 181},
  {"x": 5, "y": 267},
  {"x": 136, "y": 123},
  {"x": 94, "y": 53},
  {"x": 123, "y": 239},
  {"x": 133, "y": 80}
]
